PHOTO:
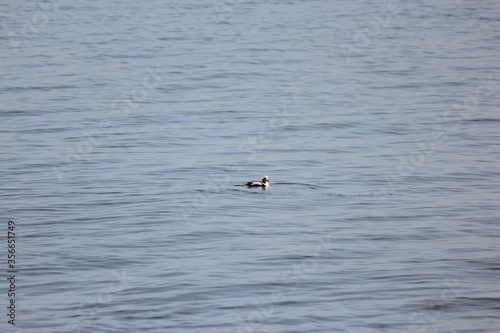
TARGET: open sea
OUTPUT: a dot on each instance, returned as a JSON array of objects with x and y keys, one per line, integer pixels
[{"x": 126, "y": 124}]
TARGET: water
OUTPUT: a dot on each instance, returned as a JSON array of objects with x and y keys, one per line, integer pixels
[{"x": 125, "y": 126}]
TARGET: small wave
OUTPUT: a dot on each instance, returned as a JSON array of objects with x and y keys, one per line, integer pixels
[{"x": 482, "y": 120}]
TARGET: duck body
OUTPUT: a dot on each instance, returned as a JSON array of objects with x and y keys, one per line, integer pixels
[{"x": 256, "y": 183}]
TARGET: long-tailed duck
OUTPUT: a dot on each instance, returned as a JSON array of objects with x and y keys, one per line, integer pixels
[{"x": 255, "y": 183}]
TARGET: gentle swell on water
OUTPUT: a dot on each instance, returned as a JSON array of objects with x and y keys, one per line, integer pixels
[{"x": 126, "y": 124}]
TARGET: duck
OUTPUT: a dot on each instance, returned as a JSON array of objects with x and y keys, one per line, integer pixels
[{"x": 256, "y": 183}]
